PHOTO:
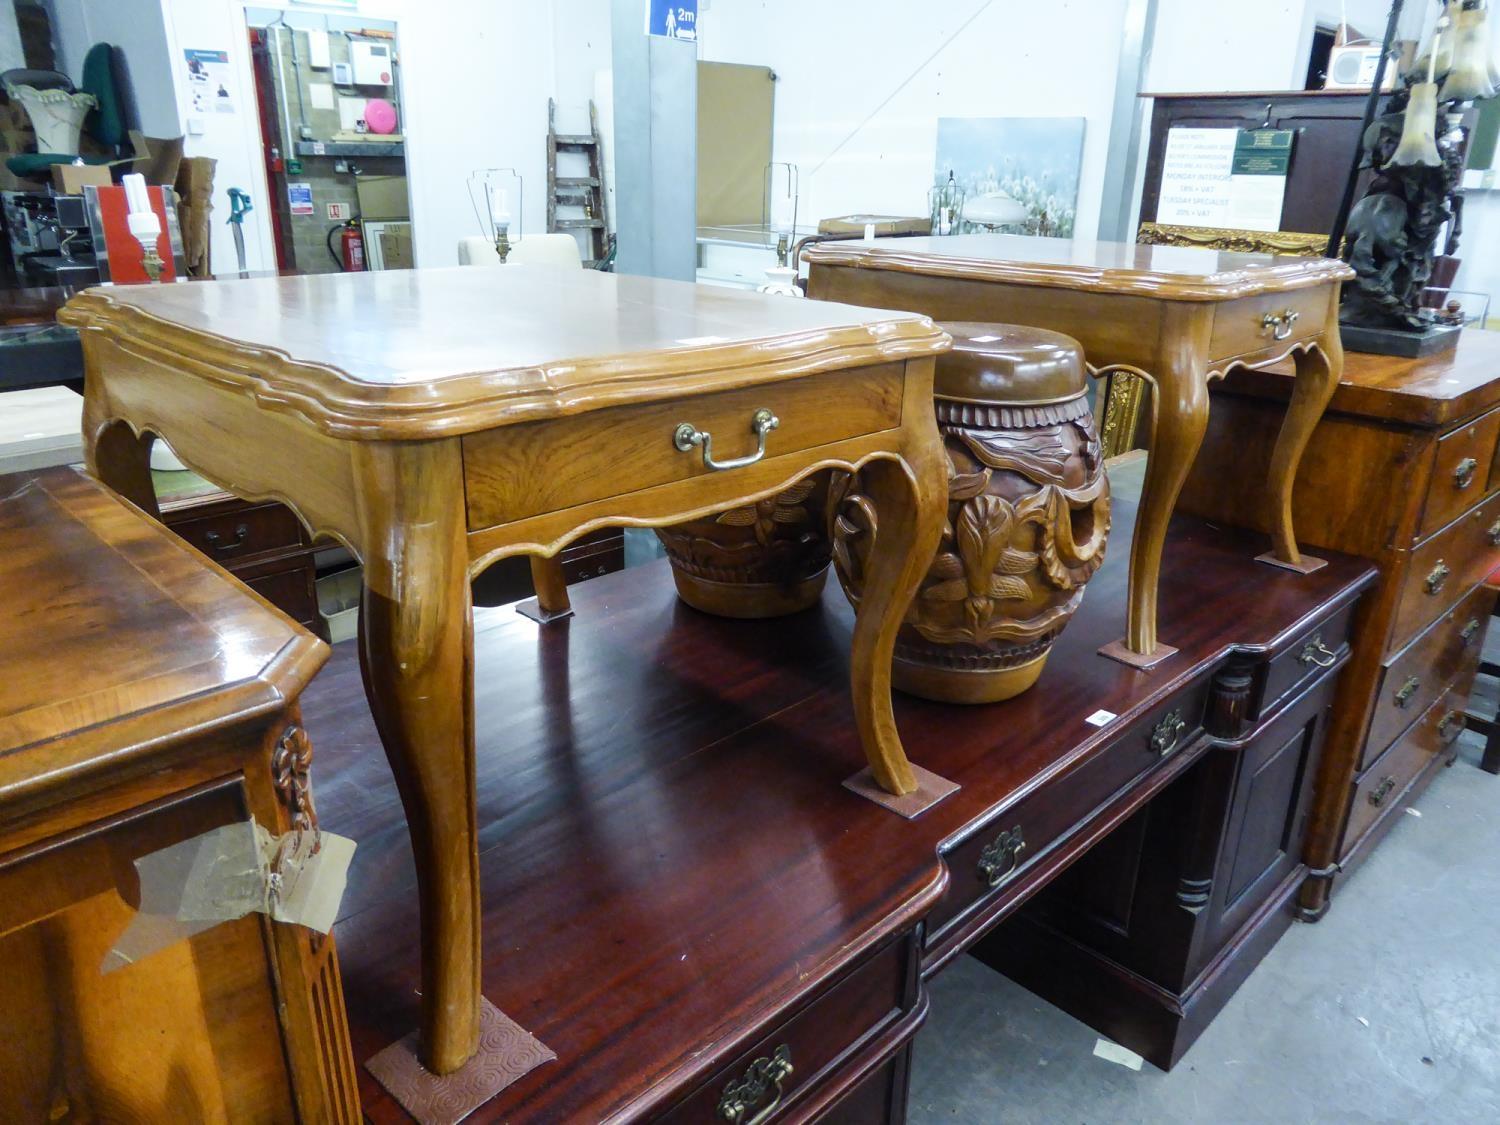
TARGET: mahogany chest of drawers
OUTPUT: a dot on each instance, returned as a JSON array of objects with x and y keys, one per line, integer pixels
[{"x": 1402, "y": 470}]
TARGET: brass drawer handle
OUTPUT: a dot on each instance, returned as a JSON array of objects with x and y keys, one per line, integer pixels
[
  {"x": 687, "y": 435},
  {"x": 1437, "y": 578},
  {"x": 1493, "y": 534},
  {"x": 1279, "y": 324},
  {"x": 1405, "y": 692},
  {"x": 216, "y": 541},
  {"x": 1467, "y": 633},
  {"x": 1165, "y": 734},
  {"x": 1463, "y": 472},
  {"x": 1452, "y": 719},
  {"x": 764, "y": 1077},
  {"x": 1316, "y": 652},
  {"x": 1382, "y": 791},
  {"x": 1000, "y": 856}
]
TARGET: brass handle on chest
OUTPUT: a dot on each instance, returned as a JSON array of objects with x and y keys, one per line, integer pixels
[
  {"x": 1316, "y": 652},
  {"x": 1000, "y": 856},
  {"x": 1494, "y": 534},
  {"x": 1382, "y": 791},
  {"x": 1406, "y": 691},
  {"x": 1467, "y": 633},
  {"x": 1279, "y": 324},
  {"x": 764, "y": 1077},
  {"x": 1166, "y": 733},
  {"x": 687, "y": 435},
  {"x": 216, "y": 541},
  {"x": 1453, "y": 720},
  {"x": 1437, "y": 578},
  {"x": 1463, "y": 472}
]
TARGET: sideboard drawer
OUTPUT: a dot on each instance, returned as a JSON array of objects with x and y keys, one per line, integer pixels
[
  {"x": 1254, "y": 324},
  {"x": 1443, "y": 570},
  {"x": 789, "y": 1060},
  {"x": 985, "y": 863},
  {"x": 1445, "y": 654},
  {"x": 513, "y": 472},
  {"x": 1386, "y": 782},
  {"x": 1307, "y": 657},
  {"x": 1460, "y": 473},
  {"x": 241, "y": 531}
]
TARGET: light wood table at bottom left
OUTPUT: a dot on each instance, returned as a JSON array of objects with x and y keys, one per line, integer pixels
[{"x": 147, "y": 698}]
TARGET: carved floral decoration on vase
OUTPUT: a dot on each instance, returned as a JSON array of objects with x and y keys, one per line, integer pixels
[{"x": 782, "y": 538}]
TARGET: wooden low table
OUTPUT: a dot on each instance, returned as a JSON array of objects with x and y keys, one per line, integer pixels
[
  {"x": 1176, "y": 316},
  {"x": 434, "y": 421},
  {"x": 146, "y": 698}
]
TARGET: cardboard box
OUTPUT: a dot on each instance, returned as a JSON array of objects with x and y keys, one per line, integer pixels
[
  {"x": 71, "y": 179},
  {"x": 382, "y": 197},
  {"x": 395, "y": 247}
]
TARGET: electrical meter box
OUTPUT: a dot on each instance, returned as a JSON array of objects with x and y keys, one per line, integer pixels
[{"x": 371, "y": 63}]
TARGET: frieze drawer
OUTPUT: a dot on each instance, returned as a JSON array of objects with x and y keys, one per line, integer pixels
[
  {"x": 1461, "y": 472},
  {"x": 985, "y": 863},
  {"x": 513, "y": 472},
  {"x": 239, "y": 530},
  {"x": 1442, "y": 571},
  {"x": 1306, "y": 658},
  {"x": 1446, "y": 654},
  {"x": 771, "y": 1076},
  {"x": 1268, "y": 323},
  {"x": 1385, "y": 783}
]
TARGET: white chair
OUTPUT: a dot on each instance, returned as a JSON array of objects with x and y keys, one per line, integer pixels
[{"x": 532, "y": 250}]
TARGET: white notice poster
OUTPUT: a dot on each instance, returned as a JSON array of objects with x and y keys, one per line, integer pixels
[{"x": 1195, "y": 177}]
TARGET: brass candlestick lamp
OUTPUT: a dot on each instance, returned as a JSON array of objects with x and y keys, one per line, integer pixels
[{"x": 490, "y": 193}]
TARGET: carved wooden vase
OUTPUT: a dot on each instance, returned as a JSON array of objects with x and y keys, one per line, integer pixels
[
  {"x": 767, "y": 559},
  {"x": 1028, "y": 516}
]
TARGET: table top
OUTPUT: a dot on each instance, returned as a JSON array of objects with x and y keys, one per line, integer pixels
[
  {"x": 427, "y": 353},
  {"x": 118, "y": 639},
  {"x": 1180, "y": 273},
  {"x": 1433, "y": 391},
  {"x": 667, "y": 857}
]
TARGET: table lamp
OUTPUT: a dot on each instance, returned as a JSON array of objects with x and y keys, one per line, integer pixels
[{"x": 143, "y": 222}]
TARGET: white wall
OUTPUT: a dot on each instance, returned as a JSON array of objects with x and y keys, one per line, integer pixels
[
  {"x": 11, "y": 54},
  {"x": 836, "y": 65},
  {"x": 136, "y": 27}
]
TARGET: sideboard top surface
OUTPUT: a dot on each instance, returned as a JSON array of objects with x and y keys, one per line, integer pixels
[
  {"x": 1179, "y": 273},
  {"x": 117, "y": 637},
  {"x": 435, "y": 352},
  {"x": 1434, "y": 391},
  {"x": 668, "y": 857}
]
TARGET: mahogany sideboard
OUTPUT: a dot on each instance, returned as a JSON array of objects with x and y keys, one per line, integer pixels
[
  {"x": 1402, "y": 470},
  {"x": 147, "y": 698},
  {"x": 684, "y": 904}
]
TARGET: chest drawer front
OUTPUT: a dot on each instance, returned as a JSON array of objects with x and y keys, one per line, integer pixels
[
  {"x": 1306, "y": 658},
  {"x": 1460, "y": 472},
  {"x": 1270, "y": 323},
  {"x": 514, "y": 472},
  {"x": 1446, "y": 654},
  {"x": 1385, "y": 783},
  {"x": 984, "y": 864},
  {"x": 239, "y": 533},
  {"x": 788, "y": 1061},
  {"x": 1443, "y": 570}
]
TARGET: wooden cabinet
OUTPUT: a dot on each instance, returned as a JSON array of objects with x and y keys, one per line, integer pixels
[
  {"x": 1400, "y": 470},
  {"x": 146, "y": 700}
]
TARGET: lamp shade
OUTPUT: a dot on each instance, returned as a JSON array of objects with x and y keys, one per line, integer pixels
[
  {"x": 1469, "y": 77},
  {"x": 994, "y": 209},
  {"x": 1418, "y": 144}
]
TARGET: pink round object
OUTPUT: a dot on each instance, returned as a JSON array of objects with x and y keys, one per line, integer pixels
[{"x": 380, "y": 116}]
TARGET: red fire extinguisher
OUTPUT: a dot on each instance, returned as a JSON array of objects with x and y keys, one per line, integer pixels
[{"x": 351, "y": 252}]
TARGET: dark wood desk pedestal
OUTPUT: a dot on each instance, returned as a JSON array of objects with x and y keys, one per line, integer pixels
[
  {"x": 1401, "y": 470},
  {"x": 684, "y": 901}
]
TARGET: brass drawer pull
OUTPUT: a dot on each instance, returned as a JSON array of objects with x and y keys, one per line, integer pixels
[
  {"x": 1316, "y": 652},
  {"x": 1467, "y": 633},
  {"x": 1493, "y": 534},
  {"x": 216, "y": 541},
  {"x": 1000, "y": 856},
  {"x": 764, "y": 1077},
  {"x": 1406, "y": 691},
  {"x": 687, "y": 435},
  {"x": 1166, "y": 733},
  {"x": 1437, "y": 578},
  {"x": 1463, "y": 472},
  {"x": 1279, "y": 324},
  {"x": 1382, "y": 791},
  {"x": 1452, "y": 719}
]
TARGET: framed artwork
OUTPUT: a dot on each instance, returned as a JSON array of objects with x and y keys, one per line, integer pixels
[{"x": 1035, "y": 161}]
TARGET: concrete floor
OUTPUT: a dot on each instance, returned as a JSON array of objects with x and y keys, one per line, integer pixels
[{"x": 1388, "y": 1010}]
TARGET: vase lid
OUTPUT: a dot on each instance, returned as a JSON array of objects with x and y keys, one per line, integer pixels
[{"x": 1009, "y": 363}]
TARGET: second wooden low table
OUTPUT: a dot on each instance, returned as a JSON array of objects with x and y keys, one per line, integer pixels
[
  {"x": 435, "y": 421},
  {"x": 1177, "y": 316}
]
